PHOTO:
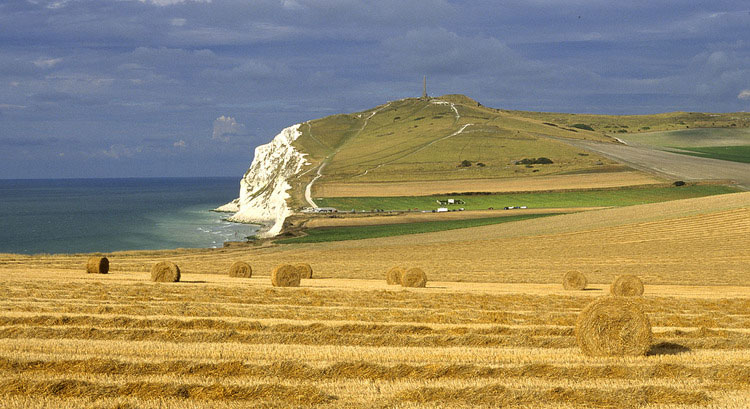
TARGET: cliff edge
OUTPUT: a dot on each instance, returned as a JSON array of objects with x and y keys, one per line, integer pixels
[{"x": 263, "y": 188}]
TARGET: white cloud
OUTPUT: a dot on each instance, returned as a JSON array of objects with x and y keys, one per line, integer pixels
[
  {"x": 291, "y": 5},
  {"x": 225, "y": 127},
  {"x": 121, "y": 151},
  {"x": 57, "y": 4},
  {"x": 47, "y": 63},
  {"x": 180, "y": 144},
  {"x": 744, "y": 94},
  {"x": 178, "y": 22}
]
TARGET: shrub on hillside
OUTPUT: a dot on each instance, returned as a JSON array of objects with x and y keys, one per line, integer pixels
[
  {"x": 534, "y": 161},
  {"x": 583, "y": 126}
]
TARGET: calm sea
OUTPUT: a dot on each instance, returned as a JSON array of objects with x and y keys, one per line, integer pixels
[{"x": 88, "y": 215}]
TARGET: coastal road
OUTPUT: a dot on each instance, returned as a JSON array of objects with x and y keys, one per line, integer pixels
[{"x": 669, "y": 164}]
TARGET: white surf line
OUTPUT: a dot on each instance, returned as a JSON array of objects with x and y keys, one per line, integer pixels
[{"x": 308, "y": 188}]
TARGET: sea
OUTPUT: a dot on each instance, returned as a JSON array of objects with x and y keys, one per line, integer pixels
[{"x": 104, "y": 215}]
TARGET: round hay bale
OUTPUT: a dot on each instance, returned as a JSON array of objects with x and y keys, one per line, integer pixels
[
  {"x": 575, "y": 281},
  {"x": 97, "y": 265},
  {"x": 240, "y": 269},
  {"x": 627, "y": 285},
  {"x": 613, "y": 326},
  {"x": 305, "y": 270},
  {"x": 414, "y": 277},
  {"x": 393, "y": 276},
  {"x": 285, "y": 275},
  {"x": 165, "y": 272}
]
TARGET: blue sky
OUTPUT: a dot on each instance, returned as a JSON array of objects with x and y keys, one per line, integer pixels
[{"x": 133, "y": 88}]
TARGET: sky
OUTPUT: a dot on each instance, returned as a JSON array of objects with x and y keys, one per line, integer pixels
[{"x": 166, "y": 88}]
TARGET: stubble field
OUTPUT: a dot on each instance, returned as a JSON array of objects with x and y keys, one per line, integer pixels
[{"x": 493, "y": 328}]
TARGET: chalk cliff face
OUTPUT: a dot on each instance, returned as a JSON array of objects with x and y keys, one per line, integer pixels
[{"x": 263, "y": 188}]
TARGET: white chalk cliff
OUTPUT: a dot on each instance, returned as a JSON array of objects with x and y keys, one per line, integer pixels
[{"x": 263, "y": 188}]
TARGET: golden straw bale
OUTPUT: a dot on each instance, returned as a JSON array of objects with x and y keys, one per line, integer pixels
[
  {"x": 574, "y": 280},
  {"x": 305, "y": 270},
  {"x": 414, "y": 277},
  {"x": 166, "y": 272},
  {"x": 285, "y": 275},
  {"x": 240, "y": 269},
  {"x": 627, "y": 285},
  {"x": 613, "y": 326},
  {"x": 393, "y": 276},
  {"x": 97, "y": 265}
]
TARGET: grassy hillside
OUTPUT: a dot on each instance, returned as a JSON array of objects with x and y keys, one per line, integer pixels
[
  {"x": 732, "y": 144},
  {"x": 625, "y": 124},
  {"x": 454, "y": 138},
  {"x": 730, "y": 153},
  {"x": 428, "y": 139}
]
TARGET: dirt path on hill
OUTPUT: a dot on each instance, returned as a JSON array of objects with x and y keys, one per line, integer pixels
[
  {"x": 672, "y": 165},
  {"x": 308, "y": 188}
]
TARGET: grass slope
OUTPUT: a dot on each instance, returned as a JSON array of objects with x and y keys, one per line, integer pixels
[
  {"x": 693, "y": 138},
  {"x": 730, "y": 153},
  {"x": 627, "y": 124},
  {"x": 326, "y": 234},
  {"x": 417, "y": 139},
  {"x": 426, "y": 139},
  {"x": 591, "y": 198}
]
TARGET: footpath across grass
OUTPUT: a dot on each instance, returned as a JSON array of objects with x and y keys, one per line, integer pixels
[
  {"x": 324, "y": 234},
  {"x": 588, "y": 198}
]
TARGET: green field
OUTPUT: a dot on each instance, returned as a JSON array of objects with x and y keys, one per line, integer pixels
[
  {"x": 590, "y": 198},
  {"x": 730, "y": 144},
  {"x": 368, "y": 232},
  {"x": 693, "y": 138},
  {"x": 730, "y": 153}
]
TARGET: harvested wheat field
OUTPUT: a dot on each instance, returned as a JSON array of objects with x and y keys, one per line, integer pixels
[
  {"x": 498, "y": 331},
  {"x": 432, "y": 187}
]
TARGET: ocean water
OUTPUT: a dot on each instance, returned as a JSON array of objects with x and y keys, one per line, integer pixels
[{"x": 90, "y": 215}]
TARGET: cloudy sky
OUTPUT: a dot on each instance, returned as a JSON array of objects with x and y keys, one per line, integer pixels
[{"x": 130, "y": 88}]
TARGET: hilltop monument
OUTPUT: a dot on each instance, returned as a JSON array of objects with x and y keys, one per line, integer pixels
[{"x": 424, "y": 87}]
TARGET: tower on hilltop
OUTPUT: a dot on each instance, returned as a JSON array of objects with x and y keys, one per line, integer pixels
[{"x": 424, "y": 87}]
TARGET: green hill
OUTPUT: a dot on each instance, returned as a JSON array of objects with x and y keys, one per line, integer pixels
[{"x": 454, "y": 137}]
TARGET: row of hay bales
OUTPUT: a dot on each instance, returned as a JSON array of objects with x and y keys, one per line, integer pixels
[
  {"x": 627, "y": 285},
  {"x": 412, "y": 277},
  {"x": 284, "y": 275},
  {"x": 614, "y": 325}
]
